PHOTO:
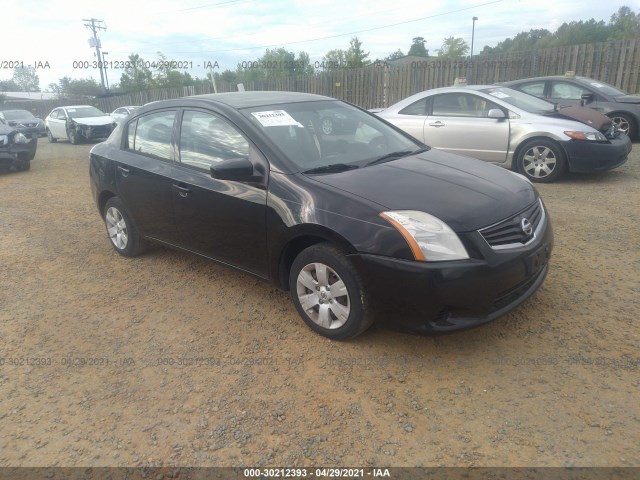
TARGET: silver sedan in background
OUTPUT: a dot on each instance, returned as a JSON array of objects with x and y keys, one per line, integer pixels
[{"x": 511, "y": 129}]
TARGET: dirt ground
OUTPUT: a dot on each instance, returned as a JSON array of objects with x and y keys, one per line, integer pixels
[{"x": 169, "y": 359}]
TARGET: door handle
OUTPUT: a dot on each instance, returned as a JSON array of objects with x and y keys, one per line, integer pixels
[
  {"x": 437, "y": 124},
  {"x": 182, "y": 191},
  {"x": 124, "y": 171}
]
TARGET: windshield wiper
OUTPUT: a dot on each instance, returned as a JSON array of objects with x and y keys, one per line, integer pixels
[
  {"x": 393, "y": 155},
  {"x": 333, "y": 168}
]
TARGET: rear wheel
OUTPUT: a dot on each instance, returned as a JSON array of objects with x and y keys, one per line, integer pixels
[
  {"x": 328, "y": 293},
  {"x": 541, "y": 161},
  {"x": 50, "y": 137},
  {"x": 124, "y": 237}
]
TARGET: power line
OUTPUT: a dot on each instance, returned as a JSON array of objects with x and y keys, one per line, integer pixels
[{"x": 345, "y": 34}]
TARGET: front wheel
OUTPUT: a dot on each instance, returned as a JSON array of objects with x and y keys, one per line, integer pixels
[
  {"x": 624, "y": 123},
  {"x": 74, "y": 138},
  {"x": 123, "y": 234},
  {"x": 541, "y": 161},
  {"x": 328, "y": 293}
]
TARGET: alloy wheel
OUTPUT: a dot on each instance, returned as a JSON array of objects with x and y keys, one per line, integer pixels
[
  {"x": 117, "y": 228},
  {"x": 539, "y": 161},
  {"x": 323, "y": 295}
]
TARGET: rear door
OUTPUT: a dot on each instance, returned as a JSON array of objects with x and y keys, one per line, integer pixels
[
  {"x": 458, "y": 123},
  {"x": 144, "y": 174},
  {"x": 223, "y": 220}
]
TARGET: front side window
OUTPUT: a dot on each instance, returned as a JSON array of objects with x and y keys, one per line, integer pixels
[
  {"x": 416, "y": 108},
  {"x": 567, "y": 91},
  {"x": 461, "y": 105},
  {"x": 536, "y": 89},
  {"x": 54, "y": 114},
  {"x": 207, "y": 139},
  {"x": 151, "y": 134}
]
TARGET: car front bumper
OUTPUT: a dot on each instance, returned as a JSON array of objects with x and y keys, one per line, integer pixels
[
  {"x": 443, "y": 297},
  {"x": 585, "y": 157}
]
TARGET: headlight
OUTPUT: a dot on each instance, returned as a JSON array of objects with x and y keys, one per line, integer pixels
[
  {"x": 430, "y": 239},
  {"x": 20, "y": 138},
  {"x": 591, "y": 136}
]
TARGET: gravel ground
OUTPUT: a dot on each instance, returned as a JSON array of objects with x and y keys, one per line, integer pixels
[{"x": 169, "y": 359}]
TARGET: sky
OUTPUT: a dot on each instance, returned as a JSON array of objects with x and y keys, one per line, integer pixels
[{"x": 51, "y": 36}]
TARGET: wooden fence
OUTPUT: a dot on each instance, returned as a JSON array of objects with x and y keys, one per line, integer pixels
[{"x": 381, "y": 85}]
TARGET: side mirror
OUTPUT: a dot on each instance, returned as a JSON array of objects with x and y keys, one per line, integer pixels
[
  {"x": 496, "y": 113},
  {"x": 586, "y": 98},
  {"x": 238, "y": 169}
]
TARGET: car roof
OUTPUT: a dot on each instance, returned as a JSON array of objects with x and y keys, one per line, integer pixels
[
  {"x": 549, "y": 77},
  {"x": 256, "y": 99},
  {"x": 76, "y": 106},
  {"x": 15, "y": 110}
]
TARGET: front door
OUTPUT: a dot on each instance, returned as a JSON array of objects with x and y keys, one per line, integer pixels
[{"x": 223, "y": 220}]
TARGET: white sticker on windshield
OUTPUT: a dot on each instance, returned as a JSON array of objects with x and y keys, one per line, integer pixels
[
  {"x": 597, "y": 85},
  {"x": 499, "y": 94},
  {"x": 276, "y": 118}
]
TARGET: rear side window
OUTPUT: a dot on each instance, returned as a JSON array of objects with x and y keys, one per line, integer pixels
[
  {"x": 567, "y": 91},
  {"x": 151, "y": 134}
]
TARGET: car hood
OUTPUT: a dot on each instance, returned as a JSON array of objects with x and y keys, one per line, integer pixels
[
  {"x": 585, "y": 115},
  {"x": 92, "y": 121},
  {"x": 628, "y": 99},
  {"x": 465, "y": 193}
]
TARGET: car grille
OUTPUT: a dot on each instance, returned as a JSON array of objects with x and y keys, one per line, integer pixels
[
  {"x": 510, "y": 233},
  {"x": 100, "y": 130}
]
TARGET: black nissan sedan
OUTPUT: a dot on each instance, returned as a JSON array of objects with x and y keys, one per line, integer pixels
[{"x": 364, "y": 224}]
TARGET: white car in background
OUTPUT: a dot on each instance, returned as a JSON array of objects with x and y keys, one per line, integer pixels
[
  {"x": 78, "y": 123},
  {"x": 121, "y": 113}
]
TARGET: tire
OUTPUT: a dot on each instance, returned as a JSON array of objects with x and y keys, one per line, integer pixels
[
  {"x": 24, "y": 165},
  {"x": 122, "y": 233},
  {"x": 73, "y": 137},
  {"x": 625, "y": 124},
  {"x": 50, "y": 137},
  {"x": 342, "y": 314},
  {"x": 26, "y": 156},
  {"x": 326, "y": 124},
  {"x": 541, "y": 161}
]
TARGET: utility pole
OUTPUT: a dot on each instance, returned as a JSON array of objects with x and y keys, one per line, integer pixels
[{"x": 94, "y": 26}]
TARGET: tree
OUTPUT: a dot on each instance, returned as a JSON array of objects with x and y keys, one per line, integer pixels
[
  {"x": 394, "y": 56},
  {"x": 453, "y": 48},
  {"x": 8, "y": 86},
  {"x": 417, "y": 47},
  {"x": 624, "y": 24},
  {"x": 355, "y": 55},
  {"x": 137, "y": 76},
  {"x": 76, "y": 87},
  {"x": 334, "y": 59},
  {"x": 26, "y": 79}
]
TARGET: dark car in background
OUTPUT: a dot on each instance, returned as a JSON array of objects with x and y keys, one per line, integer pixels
[
  {"x": 354, "y": 226},
  {"x": 622, "y": 108},
  {"x": 78, "y": 123},
  {"x": 25, "y": 121},
  {"x": 16, "y": 150}
]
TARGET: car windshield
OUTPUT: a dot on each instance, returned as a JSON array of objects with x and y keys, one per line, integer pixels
[
  {"x": 521, "y": 100},
  {"x": 84, "y": 112},
  {"x": 602, "y": 87},
  {"x": 329, "y": 136},
  {"x": 17, "y": 114}
]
